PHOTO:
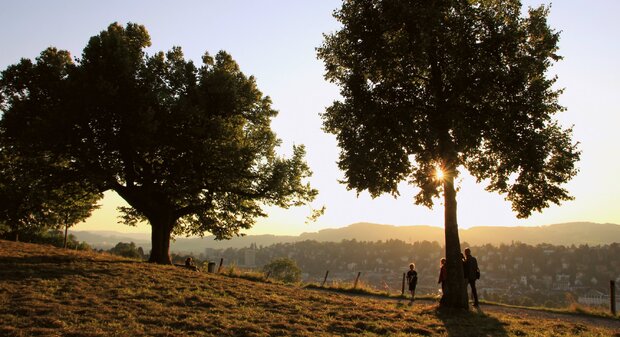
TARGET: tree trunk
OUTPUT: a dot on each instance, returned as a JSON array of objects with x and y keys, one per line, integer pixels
[
  {"x": 455, "y": 295},
  {"x": 161, "y": 227},
  {"x": 160, "y": 215},
  {"x": 64, "y": 243}
]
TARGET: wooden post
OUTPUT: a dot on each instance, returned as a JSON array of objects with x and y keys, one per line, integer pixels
[
  {"x": 220, "y": 267},
  {"x": 268, "y": 274},
  {"x": 612, "y": 296},
  {"x": 403, "y": 293},
  {"x": 325, "y": 279},
  {"x": 357, "y": 279}
]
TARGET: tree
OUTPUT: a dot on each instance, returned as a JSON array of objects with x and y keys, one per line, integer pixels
[
  {"x": 70, "y": 204},
  {"x": 432, "y": 88},
  {"x": 127, "y": 250},
  {"x": 33, "y": 198},
  {"x": 283, "y": 269},
  {"x": 189, "y": 148}
]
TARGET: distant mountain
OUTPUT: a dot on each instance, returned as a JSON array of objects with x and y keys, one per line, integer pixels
[
  {"x": 374, "y": 232},
  {"x": 558, "y": 234},
  {"x": 109, "y": 239},
  {"x": 199, "y": 244}
]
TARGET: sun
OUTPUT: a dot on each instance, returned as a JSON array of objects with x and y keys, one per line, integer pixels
[{"x": 439, "y": 173}]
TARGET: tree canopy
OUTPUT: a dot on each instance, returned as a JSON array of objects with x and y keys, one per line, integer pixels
[
  {"x": 189, "y": 148},
  {"x": 34, "y": 197},
  {"x": 446, "y": 86}
]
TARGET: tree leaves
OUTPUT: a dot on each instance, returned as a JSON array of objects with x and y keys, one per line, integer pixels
[
  {"x": 458, "y": 83},
  {"x": 189, "y": 148}
]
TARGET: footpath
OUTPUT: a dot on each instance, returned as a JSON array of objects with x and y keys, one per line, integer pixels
[{"x": 532, "y": 314}]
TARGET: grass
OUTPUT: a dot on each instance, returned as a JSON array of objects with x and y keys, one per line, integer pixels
[
  {"x": 46, "y": 291},
  {"x": 573, "y": 309}
]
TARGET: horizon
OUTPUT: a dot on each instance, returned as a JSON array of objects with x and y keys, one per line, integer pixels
[
  {"x": 275, "y": 42},
  {"x": 72, "y": 229}
]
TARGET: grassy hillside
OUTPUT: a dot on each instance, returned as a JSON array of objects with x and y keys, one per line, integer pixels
[{"x": 45, "y": 291}]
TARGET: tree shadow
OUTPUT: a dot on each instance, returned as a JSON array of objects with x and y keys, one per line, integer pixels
[
  {"x": 52, "y": 267},
  {"x": 458, "y": 322}
]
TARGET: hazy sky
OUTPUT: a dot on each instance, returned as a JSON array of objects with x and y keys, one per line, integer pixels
[{"x": 275, "y": 41}]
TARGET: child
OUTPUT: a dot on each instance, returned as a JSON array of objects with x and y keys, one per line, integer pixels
[
  {"x": 412, "y": 280},
  {"x": 443, "y": 275}
]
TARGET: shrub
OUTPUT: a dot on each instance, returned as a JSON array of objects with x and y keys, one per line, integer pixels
[{"x": 283, "y": 269}]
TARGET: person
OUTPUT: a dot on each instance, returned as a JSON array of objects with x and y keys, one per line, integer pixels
[
  {"x": 471, "y": 273},
  {"x": 189, "y": 264},
  {"x": 412, "y": 280},
  {"x": 443, "y": 275}
]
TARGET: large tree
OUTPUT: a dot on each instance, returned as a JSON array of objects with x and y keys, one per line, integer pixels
[
  {"x": 434, "y": 86},
  {"x": 189, "y": 148}
]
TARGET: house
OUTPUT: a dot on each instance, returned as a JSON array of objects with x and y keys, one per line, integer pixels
[
  {"x": 249, "y": 258},
  {"x": 596, "y": 298},
  {"x": 562, "y": 282}
]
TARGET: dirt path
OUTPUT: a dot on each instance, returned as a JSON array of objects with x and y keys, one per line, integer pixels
[
  {"x": 531, "y": 314},
  {"x": 537, "y": 314}
]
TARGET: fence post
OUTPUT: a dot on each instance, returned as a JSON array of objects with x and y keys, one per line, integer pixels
[
  {"x": 325, "y": 279},
  {"x": 268, "y": 274},
  {"x": 357, "y": 279},
  {"x": 403, "y": 292},
  {"x": 220, "y": 267},
  {"x": 612, "y": 296}
]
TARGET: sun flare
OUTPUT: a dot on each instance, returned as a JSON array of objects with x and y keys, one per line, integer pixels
[{"x": 439, "y": 173}]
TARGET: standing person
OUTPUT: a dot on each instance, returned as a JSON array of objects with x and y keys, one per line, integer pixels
[
  {"x": 472, "y": 273},
  {"x": 443, "y": 275},
  {"x": 412, "y": 280}
]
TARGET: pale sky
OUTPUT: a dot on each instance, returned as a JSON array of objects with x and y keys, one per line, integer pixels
[{"x": 275, "y": 41}]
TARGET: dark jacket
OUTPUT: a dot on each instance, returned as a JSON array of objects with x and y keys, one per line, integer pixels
[{"x": 471, "y": 268}]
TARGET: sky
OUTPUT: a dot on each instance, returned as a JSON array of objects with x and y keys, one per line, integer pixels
[{"x": 275, "y": 41}]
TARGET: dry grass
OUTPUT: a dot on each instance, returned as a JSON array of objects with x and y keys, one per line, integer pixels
[{"x": 45, "y": 291}]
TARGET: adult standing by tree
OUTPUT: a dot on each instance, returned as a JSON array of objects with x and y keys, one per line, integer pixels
[
  {"x": 431, "y": 88},
  {"x": 472, "y": 273},
  {"x": 189, "y": 148}
]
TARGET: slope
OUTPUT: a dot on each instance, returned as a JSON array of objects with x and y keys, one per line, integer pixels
[{"x": 47, "y": 291}]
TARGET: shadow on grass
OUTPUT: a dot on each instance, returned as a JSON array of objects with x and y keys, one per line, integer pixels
[
  {"x": 475, "y": 322},
  {"x": 52, "y": 267}
]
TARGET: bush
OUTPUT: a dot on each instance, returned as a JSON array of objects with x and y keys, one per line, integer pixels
[
  {"x": 127, "y": 250},
  {"x": 283, "y": 269}
]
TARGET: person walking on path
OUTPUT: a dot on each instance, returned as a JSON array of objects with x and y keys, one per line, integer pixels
[
  {"x": 412, "y": 280},
  {"x": 472, "y": 273}
]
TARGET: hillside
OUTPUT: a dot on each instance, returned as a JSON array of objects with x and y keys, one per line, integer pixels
[
  {"x": 46, "y": 291},
  {"x": 577, "y": 233}
]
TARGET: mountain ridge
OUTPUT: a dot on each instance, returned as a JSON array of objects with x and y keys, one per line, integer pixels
[{"x": 557, "y": 234}]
